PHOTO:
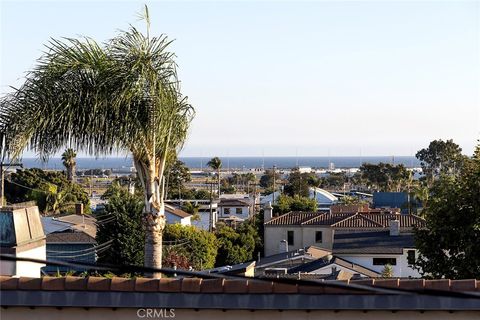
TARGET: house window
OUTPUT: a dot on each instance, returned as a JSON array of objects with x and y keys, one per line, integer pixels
[
  {"x": 411, "y": 256},
  {"x": 384, "y": 261},
  {"x": 318, "y": 236},
  {"x": 290, "y": 238},
  {"x": 226, "y": 211},
  {"x": 238, "y": 210}
]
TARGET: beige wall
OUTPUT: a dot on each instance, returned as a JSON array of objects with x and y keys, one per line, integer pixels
[
  {"x": 19, "y": 313},
  {"x": 303, "y": 237}
]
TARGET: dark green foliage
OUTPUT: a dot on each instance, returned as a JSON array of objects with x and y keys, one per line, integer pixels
[
  {"x": 198, "y": 246},
  {"x": 177, "y": 175},
  {"x": 122, "y": 221},
  {"x": 440, "y": 157},
  {"x": 236, "y": 246},
  {"x": 286, "y": 204},
  {"x": 450, "y": 245},
  {"x": 51, "y": 190},
  {"x": 384, "y": 176},
  {"x": 334, "y": 180},
  {"x": 298, "y": 184},
  {"x": 266, "y": 181}
]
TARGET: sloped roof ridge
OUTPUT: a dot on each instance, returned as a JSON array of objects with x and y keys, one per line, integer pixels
[
  {"x": 345, "y": 219},
  {"x": 364, "y": 216}
]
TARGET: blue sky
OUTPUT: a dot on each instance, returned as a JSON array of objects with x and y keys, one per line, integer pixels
[{"x": 292, "y": 78}]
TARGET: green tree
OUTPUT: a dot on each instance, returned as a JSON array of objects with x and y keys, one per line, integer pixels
[
  {"x": 216, "y": 164},
  {"x": 450, "y": 244},
  {"x": 298, "y": 184},
  {"x": 235, "y": 246},
  {"x": 440, "y": 157},
  {"x": 122, "y": 95},
  {"x": 177, "y": 176},
  {"x": 68, "y": 160},
  {"x": 266, "y": 181},
  {"x": 198, "y": 246},
  {"x": 387, "y": 271},
  {"x": 51, "y": 190},
  {"x": 286, "y": 204},
  {"x": 121, "y": 221},
  {"x": 384, "y": 176}
]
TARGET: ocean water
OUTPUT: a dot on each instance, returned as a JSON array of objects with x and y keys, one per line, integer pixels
[{"x": 232, "y": 162}]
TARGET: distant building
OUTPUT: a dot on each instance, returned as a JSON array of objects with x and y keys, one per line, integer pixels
[
  {"x": 234, "y": 208},
  {"x": 71, "y": 238},
  {"x": 324, "y": 198},
  {"x": 175, "y": 215},
  {"x": 329, "y": 265},
  {"x": 374, "y": 250},
  {"x": 302, "y": 229},
  {"x": 391, "y": 200}
]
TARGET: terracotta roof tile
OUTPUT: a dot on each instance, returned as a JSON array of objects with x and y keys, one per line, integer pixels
[
  {"x": 260, "y": 286},
  {"x": 348, "y": 220},
  {"x": 279, "y": 287},
  {"x": 170, "y": 285},
  {"x": 146, "y": 285},
  {"x": 235, "y": 286},
  {"x": 122, "y": 284},
  {"x": 25, "y": 283},
  {"x": 8, "y": 283},
  {"x": 439, "y": 284},
  {"x": 387, "y": 283},
  {"x": 75, "y": 283},
  {"x": 53, "y": 283},
  {"x": 212, "y": 285},
  {"x": 191, "y": 284},
  {"x": 412, "y": 284},
  {"x": 98, "y": 284},
  {"x": 463, "y": 285}
]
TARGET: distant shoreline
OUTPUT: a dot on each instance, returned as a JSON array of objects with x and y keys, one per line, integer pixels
[{"x": 236, "y": 163}]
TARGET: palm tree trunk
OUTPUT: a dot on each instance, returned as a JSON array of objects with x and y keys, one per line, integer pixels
[{"x": 154, "y": 217}]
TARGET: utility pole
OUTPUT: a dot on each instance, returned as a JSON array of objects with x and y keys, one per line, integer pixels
[
  {"x": 273, "y": 201},
  {"x": 210, "y": 226},
  {"x": 2, "y": 178}
]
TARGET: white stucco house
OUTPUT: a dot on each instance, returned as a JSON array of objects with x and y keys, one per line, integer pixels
[
  {"x": 175, "y": 215},
  {"x": 374, "y": 250},
  {"x": 234, "y": 208}
]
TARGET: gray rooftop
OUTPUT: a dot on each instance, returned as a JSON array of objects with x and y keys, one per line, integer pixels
[{"x": 377, "y": 242}]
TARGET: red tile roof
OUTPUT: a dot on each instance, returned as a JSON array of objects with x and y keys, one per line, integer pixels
[
  {"x": 192, "y": 285},
  {"x": 347, "y": 220}
]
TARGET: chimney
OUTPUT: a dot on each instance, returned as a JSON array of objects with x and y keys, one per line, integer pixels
[
  {"x": 267, "y": 212},
  {"x": 394, "y": 227},
  {"x": 283, "y": 246}
]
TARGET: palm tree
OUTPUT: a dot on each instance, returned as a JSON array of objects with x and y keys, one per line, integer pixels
[
  {"x": 119, "y": 96},
  {"x": 68, "y": 158},
  {"x": 216, "y": 164}
]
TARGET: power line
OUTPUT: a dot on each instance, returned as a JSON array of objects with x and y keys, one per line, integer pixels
[{"x": 83, "y": 250}]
